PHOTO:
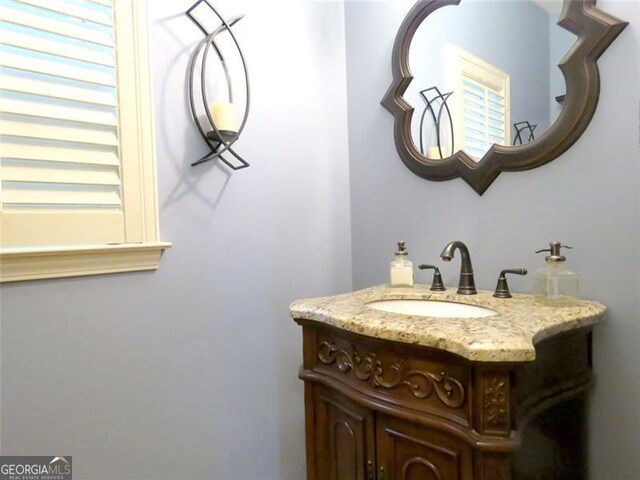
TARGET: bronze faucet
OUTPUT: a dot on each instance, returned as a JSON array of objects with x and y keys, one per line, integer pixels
[{"x": 466, "y": 285}]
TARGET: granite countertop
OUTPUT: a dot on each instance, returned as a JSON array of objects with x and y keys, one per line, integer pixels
[{"x": 509, "y": 336}]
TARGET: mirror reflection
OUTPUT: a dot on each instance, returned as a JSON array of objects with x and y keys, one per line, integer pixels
[{"x": 486, "y": 73}]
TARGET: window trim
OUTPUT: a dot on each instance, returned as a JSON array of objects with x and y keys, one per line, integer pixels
[
  {"x": 19, "y": 264},
  {"x": 143, "y": 249}
]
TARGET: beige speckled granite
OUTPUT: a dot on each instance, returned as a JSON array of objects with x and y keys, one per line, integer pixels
[{"x": 509, "y": 336}]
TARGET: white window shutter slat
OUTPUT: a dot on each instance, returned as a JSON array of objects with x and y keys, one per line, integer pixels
[
  {"x": 31, "y": 195},
  {"x": 15, "y": 81},
  {"x": 106, "y": 3},
  {"x": 36, "y": 107},
  {"x": 48, "y": 66},
  {"x": 62, "y": 131},
  {"x": 57, "y": 49},
  {"x": 49, "y": 25},
  {"x": 36, "y": 171},
  {"x": 80, "y": 9},
  {"x": 28, "y": 149}
]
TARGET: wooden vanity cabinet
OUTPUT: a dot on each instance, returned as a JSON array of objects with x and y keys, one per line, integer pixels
[{"x": 383, "y": 410}]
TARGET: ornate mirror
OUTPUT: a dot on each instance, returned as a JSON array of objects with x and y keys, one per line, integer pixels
[{"x": 498, "y": 86}]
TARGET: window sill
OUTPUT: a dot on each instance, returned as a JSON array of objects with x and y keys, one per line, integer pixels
[{"x": 19, "y": 264}]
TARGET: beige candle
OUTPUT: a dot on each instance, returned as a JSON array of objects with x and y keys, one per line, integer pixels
[
  {"x": 434, "y": 153},
  {"x": 224, "y": 116}
]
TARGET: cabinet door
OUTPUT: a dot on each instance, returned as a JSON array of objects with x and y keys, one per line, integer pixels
[
  {"x": 409, "y": 452},
  {"x": 345, "y": 438}
]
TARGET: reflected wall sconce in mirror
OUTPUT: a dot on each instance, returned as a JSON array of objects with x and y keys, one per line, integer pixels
[
  {"x": 595, "y": 31},
  {"x": 432, "y": 97},
  {"x": 216, "y": 116},
  {"x": 521, "y": 128}
]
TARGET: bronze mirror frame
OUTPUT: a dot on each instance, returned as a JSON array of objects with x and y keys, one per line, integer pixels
[{"x": 595, "y": 31}]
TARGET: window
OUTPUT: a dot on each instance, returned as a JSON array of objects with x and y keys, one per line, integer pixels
[
  {"x": 78, "y": 192},
  {"x": 481, "y": 109}
]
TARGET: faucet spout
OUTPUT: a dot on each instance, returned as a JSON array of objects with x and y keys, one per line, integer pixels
[{"x": 466, "y": 285}]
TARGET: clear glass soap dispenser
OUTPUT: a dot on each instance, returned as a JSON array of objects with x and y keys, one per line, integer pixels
[
  {"x": 555, "y": 284},
  {"x": 401, "y": 268}
]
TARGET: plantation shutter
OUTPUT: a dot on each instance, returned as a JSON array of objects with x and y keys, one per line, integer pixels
[
  {"x": 484, "y": 117},
  {"x": 60, "y": 153},
  {"x": 481, "y": 102}
]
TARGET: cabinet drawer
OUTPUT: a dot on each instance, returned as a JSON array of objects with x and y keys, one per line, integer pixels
[{"x": 394, "y": 374}]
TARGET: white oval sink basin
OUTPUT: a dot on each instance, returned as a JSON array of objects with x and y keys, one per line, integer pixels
[{"x": 432, "y": 308}]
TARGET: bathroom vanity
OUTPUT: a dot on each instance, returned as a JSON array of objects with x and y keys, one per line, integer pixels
[{"x": 401, "y": 396}]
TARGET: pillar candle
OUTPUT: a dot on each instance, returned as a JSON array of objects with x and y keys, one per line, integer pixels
[
  {"x": 224, "y": 116},
  {"x": 434, "y": 153}
]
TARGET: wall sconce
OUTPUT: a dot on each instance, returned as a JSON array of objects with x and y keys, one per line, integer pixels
[
  {"x": 522, "y": 127},
  {"x": 432, "y": 96},
  {"x": 216, "y": 118}
]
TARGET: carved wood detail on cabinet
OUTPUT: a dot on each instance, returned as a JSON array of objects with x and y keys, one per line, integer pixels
[
  {"x": 381, "y": 410},
  {"x": 495, "y": 397},
  {"x": 369, "y": 368},
  {"x": 396, "y": 376}
]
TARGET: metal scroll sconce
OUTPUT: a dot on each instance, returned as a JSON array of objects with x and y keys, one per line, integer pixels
[
  {"x": 522, "y": 127},
  {"x": 217, "y": 120},
  {"x": 432, "y": 96}
]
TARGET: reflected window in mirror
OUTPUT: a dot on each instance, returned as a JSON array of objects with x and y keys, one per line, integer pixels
[{"x": 481, "y": 106}]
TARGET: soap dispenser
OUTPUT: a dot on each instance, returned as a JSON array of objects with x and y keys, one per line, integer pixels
[
  {"x": 401, "y": 268},
  {"x": 555, "y": 284}
]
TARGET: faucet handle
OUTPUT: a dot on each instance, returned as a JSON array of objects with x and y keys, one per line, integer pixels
[
  {"x": 502, "y": 288},
  {"x": 436, "y": 283}
]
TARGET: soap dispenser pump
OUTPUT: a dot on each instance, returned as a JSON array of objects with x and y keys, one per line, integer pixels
[
  {"x": 401, "y": 268},
  {"x": 555, "y": 284}
]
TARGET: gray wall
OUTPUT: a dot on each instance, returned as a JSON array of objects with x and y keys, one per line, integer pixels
[
  {"x": 191, "y": 372},
  {"x": 589, "y": 198}
]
